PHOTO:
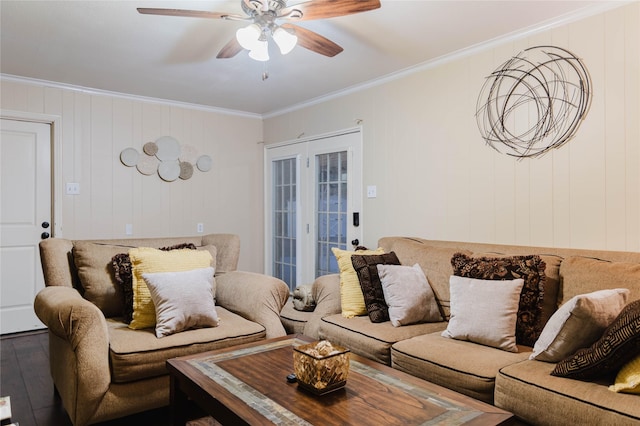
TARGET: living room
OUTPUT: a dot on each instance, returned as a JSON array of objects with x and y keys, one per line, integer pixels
[{"x": 435, "y": 176}]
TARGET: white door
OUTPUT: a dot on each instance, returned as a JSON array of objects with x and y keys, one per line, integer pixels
[
  {"x": 313, "y": 198},
  {"x": 25, "y": 215}
]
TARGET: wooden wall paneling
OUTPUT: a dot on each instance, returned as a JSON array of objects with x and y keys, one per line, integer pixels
[
  {"x": 615, "y": 175},
  {"x": 68, "y": 162},
  {"x": 102, "y": 163},
  {"x": 151, "y": 195},
  {"x": 540, "y": 224},
  {"x": 138, "y": 140},
  {"x": 588, "y": 148},
  {"x": 122, "y": 182},
  {"x": 560, "y": 173},
  {"x": 35, "y": 99},
  {"x": 83, "y": 226},
  {"x": 632, "y": 127}
]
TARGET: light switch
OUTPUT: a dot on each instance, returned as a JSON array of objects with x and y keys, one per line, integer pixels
[
  {"x": 200, "y": 228},
  {"x": 128, "y": 229},
  {"x": 372, "y": 191},
  {"x": 72, "y": 188}
]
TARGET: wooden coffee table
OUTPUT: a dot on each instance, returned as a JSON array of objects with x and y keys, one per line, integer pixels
[{"x": 247, "y": 385}]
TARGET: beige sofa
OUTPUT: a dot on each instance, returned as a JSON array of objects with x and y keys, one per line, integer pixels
[
  {"x": 508, "y": 380},
  {"x": 101, "y": 368}
]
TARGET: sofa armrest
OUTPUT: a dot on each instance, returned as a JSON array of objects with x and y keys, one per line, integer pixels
[
  {"x": 254, "y": 296},
  {"x": 83, "y": 329},
  {"x": 326, "y": 293}
]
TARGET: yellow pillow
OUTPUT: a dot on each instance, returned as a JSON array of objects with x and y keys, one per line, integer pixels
[
  {"x": 149, "y": 260},
  {"x": 628, "y": 378},
  {"x": 351, "y": 297}
]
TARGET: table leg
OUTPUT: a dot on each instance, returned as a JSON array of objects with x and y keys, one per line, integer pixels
[{"x": 179, "y": 402}]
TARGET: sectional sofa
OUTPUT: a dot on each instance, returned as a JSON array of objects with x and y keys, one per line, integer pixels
[
  {"x": 102, "y": 369},
  {"x": 508, "y": 379}
]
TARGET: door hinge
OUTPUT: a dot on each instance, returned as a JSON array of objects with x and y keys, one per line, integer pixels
[
  {"x": 308, "y": 228},
  {"x": 307, "y": 162}
]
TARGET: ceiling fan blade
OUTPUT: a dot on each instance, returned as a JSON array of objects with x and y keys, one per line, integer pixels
[
  {"x": 187, "y": 13},
  {"x": 315, "y": 42},
  {"x": 230, "y": 49},
  {"x": 321, "y": 9}
]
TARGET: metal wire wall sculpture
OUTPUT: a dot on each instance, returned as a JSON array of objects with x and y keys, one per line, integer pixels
[{"x": 534, "y": 102}]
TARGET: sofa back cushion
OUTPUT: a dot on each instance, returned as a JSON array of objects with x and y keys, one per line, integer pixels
[
  {"x": 581, "y": 275},
  {"x": 97, "y": 281}
]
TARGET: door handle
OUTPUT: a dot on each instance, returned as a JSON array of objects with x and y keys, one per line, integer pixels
[{"x": 44, "y": 235}]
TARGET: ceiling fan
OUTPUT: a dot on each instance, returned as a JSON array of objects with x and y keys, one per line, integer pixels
[{"x": 264, "y": 15}]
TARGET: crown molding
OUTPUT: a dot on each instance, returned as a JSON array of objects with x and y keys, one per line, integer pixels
[{"x": 99, "y": 92}]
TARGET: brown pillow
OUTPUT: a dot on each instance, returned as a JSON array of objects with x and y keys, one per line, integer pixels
[
  {"x": 619, "y": 344},
  {"x": 366, "y": 266},
  {"x": 122, "y": 271},
  {"x": 530, "y": 268}
]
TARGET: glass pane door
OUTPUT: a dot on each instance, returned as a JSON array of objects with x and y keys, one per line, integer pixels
[
  {"x": 331, "y": 209},
  {"x": 284, "y": 220}
]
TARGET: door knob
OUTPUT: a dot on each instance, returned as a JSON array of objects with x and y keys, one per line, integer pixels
[
  {"x": 44, "y": 235},
  {"x": 45, "y": 224},
  {"x": 355, "y": 242}
]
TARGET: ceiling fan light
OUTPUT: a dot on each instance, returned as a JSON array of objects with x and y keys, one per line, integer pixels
[
  {"x": 285, "y": 40},
  {"x": 249, "y": 36},
  {"x": 260, "y": 52}
]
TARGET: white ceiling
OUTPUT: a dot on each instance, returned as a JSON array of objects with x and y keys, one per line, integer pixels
[{"x": 109, "y": 46}]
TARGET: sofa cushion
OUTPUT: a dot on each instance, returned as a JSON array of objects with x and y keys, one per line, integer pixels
[
  {"x": 528, "y": 389},
  {"x": 367, "y": 271},
  {"x": 182, "y": 300},
  {"x": 465, "y": 367},
  {"x": 93, "y": 263},
  {"x": 351, "y": 297},
  {"x": 139, "y": 354},
  {"x": 530, "y": 268},
  {"x": 484, "y": 312},
  {"x": 408, "y": 295},
  {"x": 583, "y": 275},
  {"x": 578, "y": 323},
  {"x": 370, "y": 340},
  {"x": 618, "y": 345},
  {"x": 150, "y": 260}
]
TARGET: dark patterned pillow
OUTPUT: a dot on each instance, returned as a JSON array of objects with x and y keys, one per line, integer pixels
[
  {"x": 123, "y": 275},
  {"x": 367, "y": 270},
  {"x": 619, "y": 344},
  {"x": 530, "y": 268}
]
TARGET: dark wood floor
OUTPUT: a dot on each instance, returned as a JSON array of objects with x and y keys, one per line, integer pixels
[{"x": 24, "y": 376}]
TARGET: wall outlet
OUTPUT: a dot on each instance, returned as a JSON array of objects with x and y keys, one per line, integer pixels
[{"x": 200, "y": 228}]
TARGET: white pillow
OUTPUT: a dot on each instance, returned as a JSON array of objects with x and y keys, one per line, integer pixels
[
  {"x": 408, "y": 295},
  {"x": 578, "y": 324},
  {"x": 182, "y": 300},
  {"x": 484, "y": 311}
]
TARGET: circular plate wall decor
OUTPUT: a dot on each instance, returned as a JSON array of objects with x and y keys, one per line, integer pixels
[
  {"x": 147, "y": 165},
  {"x": 189, "y": 154},
  {"x": 129, "y": 157},
  {"x": 150, "y": 148},
  {"x": 204, "y": 163},
  {"x": 168, "y": 148},
  {"x": 534, "y": 102},
  {"x": 169, "y": 170},
  {"x": 186, "y": 170}
]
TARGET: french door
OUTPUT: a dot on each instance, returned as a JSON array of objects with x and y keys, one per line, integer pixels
[{"x": 313, "y": 198}]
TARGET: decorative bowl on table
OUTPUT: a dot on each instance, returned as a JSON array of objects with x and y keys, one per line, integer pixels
[{"x": 321, "y": 367}]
